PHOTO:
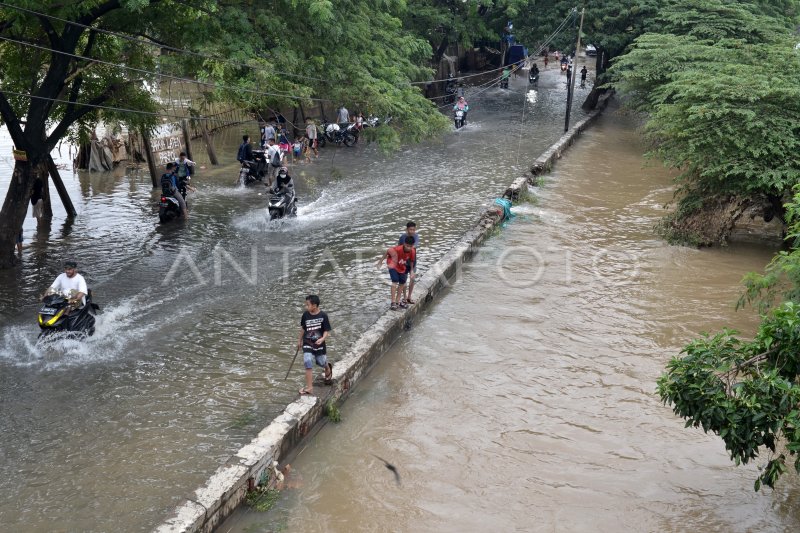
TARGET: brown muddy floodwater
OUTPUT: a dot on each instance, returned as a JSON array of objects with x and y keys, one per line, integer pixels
[{"x": 525, "y": 399}]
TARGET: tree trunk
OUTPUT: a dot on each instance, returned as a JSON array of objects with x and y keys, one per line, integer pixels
[
  {"x": 601, "y": 63},
  {"x": 440, "y": 50},
  {"x": 15, "y": 206}
]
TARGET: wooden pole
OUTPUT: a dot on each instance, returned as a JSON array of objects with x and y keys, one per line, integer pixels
[
  {"x": 47, "y": 212},
  {"x": 212, "y": 154},
  {"x": 62, "y": 191},
  {"x": 148, "y": 154},
  {"x": 187, "y": 138}
]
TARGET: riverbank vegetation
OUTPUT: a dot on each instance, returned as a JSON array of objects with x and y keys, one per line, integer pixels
[{"x": 717, "y": 80}]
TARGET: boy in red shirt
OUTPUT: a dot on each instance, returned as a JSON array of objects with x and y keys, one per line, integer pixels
[{"x": 399, "y": 259}]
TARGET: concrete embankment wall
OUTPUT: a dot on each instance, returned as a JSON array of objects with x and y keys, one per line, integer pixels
[{"x": 209, "y": 505}]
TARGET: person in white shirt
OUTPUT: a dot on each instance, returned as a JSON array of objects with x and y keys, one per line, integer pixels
[
  {"x": 311, "y": 133},
  {"x": 70, "y": 280},
  {"x": 343, "y": 116},
  {"x": 272, "y": 170}
]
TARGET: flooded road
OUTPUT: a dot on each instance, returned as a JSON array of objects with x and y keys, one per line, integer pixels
[
  {"x": 200, "y": 319},
  {"x": 525, "y": 399}
]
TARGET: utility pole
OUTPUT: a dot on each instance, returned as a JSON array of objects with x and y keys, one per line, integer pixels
[{"x": 571, "y": 86}]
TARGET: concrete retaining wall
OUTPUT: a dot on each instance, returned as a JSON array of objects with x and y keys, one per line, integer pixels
[{"x": 209, "y": 505}]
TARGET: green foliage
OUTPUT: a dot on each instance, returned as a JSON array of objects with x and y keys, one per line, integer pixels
[
  {"x": 332, "y": 412},
  {"x": 748, "y": 391},
  {"x": 781, "y": 277},
  {"x": 262, "y": 500},
  {"x": 352, "y": 52},
  {"x": 719, "y": 81}
]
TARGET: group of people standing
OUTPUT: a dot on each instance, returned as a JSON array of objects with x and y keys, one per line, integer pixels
[{"x": 315, "y": 326}]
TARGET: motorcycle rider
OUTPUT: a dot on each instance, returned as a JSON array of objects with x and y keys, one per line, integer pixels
[
  {"x": 504, "y": 77},
  {"x": 283, "y": 182},
  {"x": 70, "y": 280},
  {"x": 245, "y": 153},
  {"x": 462, "y": 105},
  {"x": 169, "y": 187},
  {"x": 183, "y": 169}
]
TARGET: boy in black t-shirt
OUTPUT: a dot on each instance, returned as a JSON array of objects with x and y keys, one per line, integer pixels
[{"x": 314, "y": 329}]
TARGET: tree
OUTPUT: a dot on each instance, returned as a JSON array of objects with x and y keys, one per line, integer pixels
[
  {"x": 55, "y": 74},
  {"x": 748, "y": 391},
  {"x": 718, "y": 82},
  {"x": 722, "y": 110}
]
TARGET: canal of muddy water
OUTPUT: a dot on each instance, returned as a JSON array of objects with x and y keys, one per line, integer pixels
[{"x": 525, "y": 399}]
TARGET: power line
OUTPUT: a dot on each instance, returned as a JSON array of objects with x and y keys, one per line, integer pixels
[
  {"x": 112, "y": 108},
  {"x": 552, "y": 36},
  {"x": 151, "y": 43},
  {"x": 160, "y": 75}
]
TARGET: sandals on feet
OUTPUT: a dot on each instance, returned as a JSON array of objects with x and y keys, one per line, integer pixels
[
  {"x": 305, "y": 392},
  {"x": 403, "y": 304},
  {"x": 409, "y": 301},
  {"x": 393, "y": 307}
]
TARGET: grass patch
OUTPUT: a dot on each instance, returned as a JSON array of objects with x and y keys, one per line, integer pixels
[
  {"x": 262, "y": 499},
  {"x": 332, "y": 412}
]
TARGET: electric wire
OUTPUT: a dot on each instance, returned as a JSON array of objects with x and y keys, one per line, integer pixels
[
  {"x": 237, "y": 63},
  {"x": 151, "y": 43},
  {"x": 161, "y": 75}
]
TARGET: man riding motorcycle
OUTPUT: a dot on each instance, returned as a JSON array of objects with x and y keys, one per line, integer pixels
[
  {"x": 68, "y": 281},
  {"x": 170, "y": 187}
]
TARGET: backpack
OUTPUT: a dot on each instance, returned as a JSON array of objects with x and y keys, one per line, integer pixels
[
  {"x": 276, "y": 159},
  {"x": 166, "y": 184}
]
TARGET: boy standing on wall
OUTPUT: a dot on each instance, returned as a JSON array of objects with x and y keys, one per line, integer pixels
[
  {"x": 398, "y": 259},
  {"x": 314, "y": 329},
  {"x": 411, "y": 231}
]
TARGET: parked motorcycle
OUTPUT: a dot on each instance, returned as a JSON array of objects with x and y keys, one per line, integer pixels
[
  {"x": 335, "y": 134},
  {"x": 57, "y": 315},
  {"x": 450, "y": 91},
  {"x": 169, "y": 208},
  {"x": 282, "y": 204},
  {"x": 460, "y": 118}
]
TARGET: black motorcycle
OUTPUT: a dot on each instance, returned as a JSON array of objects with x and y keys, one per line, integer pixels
[
  {"x": 337, "y": 135},
  {"x": 450, "y": 89},
  {"x": 460, "y": 118},
  {"x": 282, "y": 204},
  {"x": 170, "y": 209},
  {"x": 57, "y": 315},
  {"x": 254, "y": 171},
  {"x": 533, "y": 77}
]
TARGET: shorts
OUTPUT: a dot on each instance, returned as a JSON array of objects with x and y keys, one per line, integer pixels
[
  {"x": 308, "y": 360},
  {"x": 19, "y": 237},
  {"x": 397, "y": 277}
]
